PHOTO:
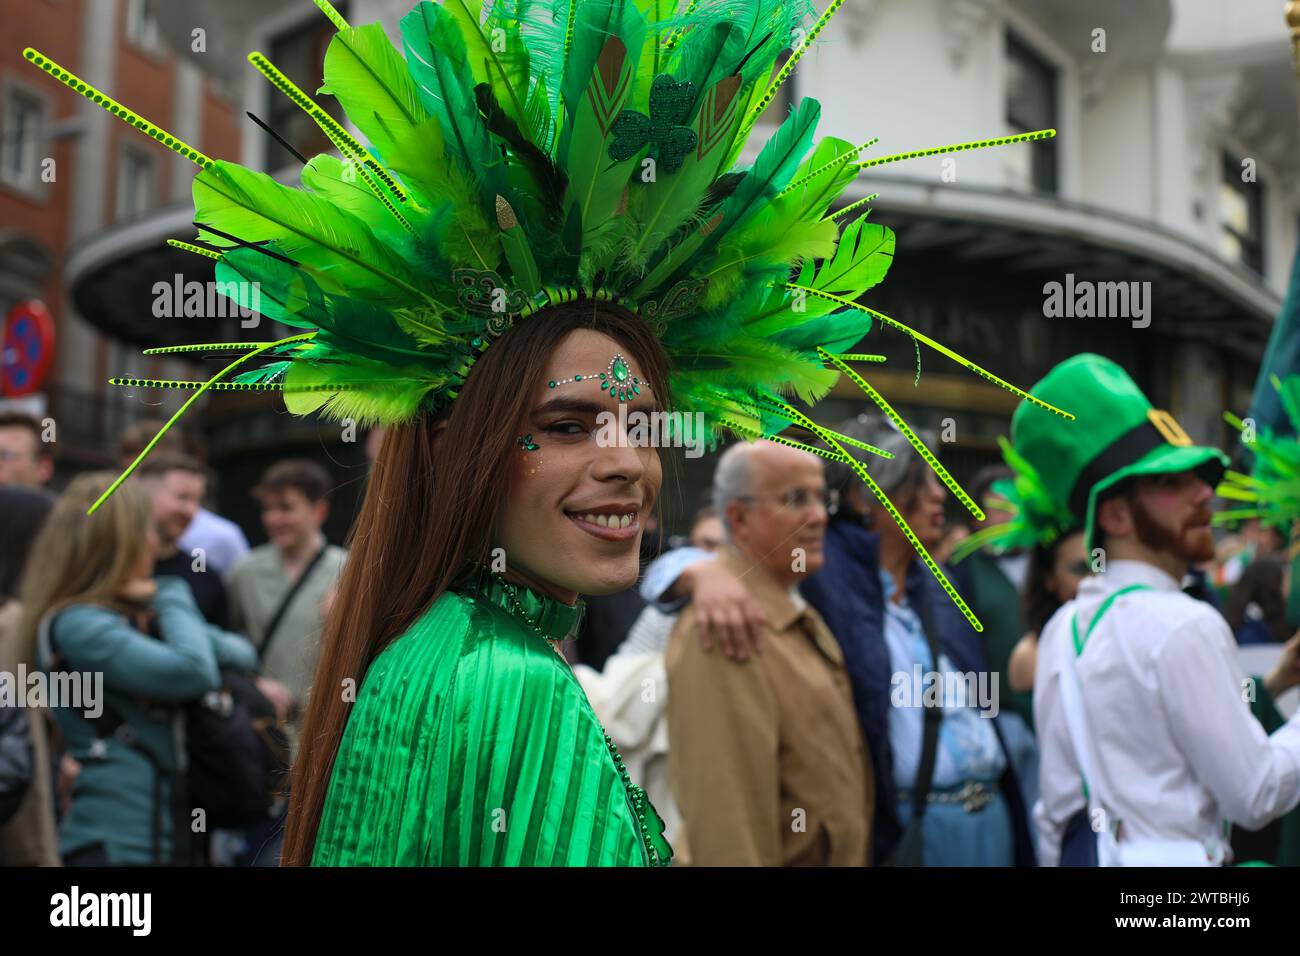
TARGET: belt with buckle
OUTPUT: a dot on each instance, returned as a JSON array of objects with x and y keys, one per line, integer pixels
[{"x": 972, "y": 796}]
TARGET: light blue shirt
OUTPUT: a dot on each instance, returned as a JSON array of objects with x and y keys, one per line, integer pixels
[
  {"x": 968, "y": 745},
  {"x": 220, "y": 538},
  {"x": 666, "y": 569}
]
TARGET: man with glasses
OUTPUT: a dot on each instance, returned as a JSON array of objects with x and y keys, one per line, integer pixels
[
  {"x": 1148, "y": 745},
  {"x": 945, "y": 785},
  {"x": 765, "y": 758}
]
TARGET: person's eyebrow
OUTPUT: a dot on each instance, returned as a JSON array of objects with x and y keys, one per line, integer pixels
[
  {"x": 575, "y": 406},
  {"x": 579, "y": 406}
]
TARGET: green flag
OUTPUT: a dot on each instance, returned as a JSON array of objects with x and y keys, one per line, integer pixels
[{"x": 1282, "y": 358}]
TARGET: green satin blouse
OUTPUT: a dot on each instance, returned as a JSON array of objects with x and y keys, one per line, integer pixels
[{"x": 471, "y": 743}]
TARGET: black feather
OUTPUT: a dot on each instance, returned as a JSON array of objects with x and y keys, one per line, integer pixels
[
  {"x": 255, "y": 246},
  {"x": 278, "y": 138},
  {"x": 720, "y": 189},
  {"x": 756, "y": 48},
  {"x": 551, "y": 181}
]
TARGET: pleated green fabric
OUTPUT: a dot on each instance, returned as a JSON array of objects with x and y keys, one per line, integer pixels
[{"x": 471, "y": 743}]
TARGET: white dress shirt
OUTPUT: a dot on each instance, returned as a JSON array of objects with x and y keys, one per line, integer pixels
[{"x": 1173, "y": 739}]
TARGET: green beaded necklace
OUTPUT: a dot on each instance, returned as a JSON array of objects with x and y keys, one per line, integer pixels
[{"x": 553, "y": 622}]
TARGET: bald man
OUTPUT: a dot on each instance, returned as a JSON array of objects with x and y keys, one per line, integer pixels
[{"x": 766, "y": 759}]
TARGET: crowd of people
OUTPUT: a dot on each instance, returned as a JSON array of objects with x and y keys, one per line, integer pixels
[
  {"x": 788, "y": 684},
  {"x": 791, "y": 684},
  {"x": 202, "y": 652}
]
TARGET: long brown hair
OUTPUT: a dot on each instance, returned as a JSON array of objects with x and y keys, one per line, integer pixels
[
  {"x": 428, "y": 513},
  {"x": 83, "y": 559}
]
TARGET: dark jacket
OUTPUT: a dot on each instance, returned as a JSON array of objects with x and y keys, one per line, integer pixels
[
  {"x": 15, "y": 758},
  {"x": 848, "y": 595}
]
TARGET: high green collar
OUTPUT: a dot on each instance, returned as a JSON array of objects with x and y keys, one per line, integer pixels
[{"x": 546, "y": 616}]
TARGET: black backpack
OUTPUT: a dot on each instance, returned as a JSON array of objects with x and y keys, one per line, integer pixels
[
  {"x": 238, "y": 750},
  {"x": 238, "y": 753}
]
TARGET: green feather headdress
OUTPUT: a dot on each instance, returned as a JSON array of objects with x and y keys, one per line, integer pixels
[
  {"x": 528, "y": 152},
  {"x": 1036, "y": 517},
  {"x": 1272, "y": 491}
]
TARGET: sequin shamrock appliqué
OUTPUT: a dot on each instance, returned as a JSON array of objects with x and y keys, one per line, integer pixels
[{"x": 670, "y": 104}]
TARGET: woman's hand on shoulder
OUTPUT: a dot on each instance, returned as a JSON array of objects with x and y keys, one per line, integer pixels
[{"x": 724, "y": 609}]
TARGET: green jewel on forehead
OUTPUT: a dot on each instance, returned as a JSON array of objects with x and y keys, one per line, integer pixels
[{"x": 617, "y": 378}]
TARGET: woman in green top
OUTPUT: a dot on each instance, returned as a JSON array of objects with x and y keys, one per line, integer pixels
[
  {"x": 470, "y": 742},
  {"x": 516, "y": 158}
]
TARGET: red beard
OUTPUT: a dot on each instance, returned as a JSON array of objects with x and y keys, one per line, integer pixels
[{"x": 1186, "y": 544}]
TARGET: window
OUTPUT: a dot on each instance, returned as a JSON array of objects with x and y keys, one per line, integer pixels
[
  {"x": 135, "y": 183},
  {"x": 1031, "y": 104},
  {"x": 141, "y": 27},
  {"x": 300, "y": 55},
  {"x": 23, "y": 134},
  {"x": 1241, "y": 217}
]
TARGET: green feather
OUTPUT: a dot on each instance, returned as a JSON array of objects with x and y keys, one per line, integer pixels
[
  {"x": 596, "y": 23},
  {"x": 370, "y": 79},
  {"x": 774, "y": 167},
  {"x": 835, "y": 333},
  {"x": 862, "y": 257},
  {"x": 675, "y": 199},
  {"x": 741, "y": 361},
  {"x": 773, "y": 242},
  {"x": 331, "y": 178},
  {"x": 661, "y": 17},
  {"x": 438, "y": 62},
  {"x": 288, "y": 295},
  {"x": 498, "y": 59},
  {"x": 596, "y": 182},
  {"x": 828, "y": 171},
  {"x": 340, "y": 249},
  {"x": 523, "y": 266},
  {"x": 369, "y": 392},
  {"x": 281, "y": 289}
]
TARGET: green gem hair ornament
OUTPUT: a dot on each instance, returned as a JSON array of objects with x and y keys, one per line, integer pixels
[
  {"x": 617, "y": 379},
  {"x": 497, "y": 169}
]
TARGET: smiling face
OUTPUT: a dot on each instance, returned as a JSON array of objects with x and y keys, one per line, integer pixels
[
  {"x": 176, "y": 497},
  {"x": 290, "y": 518},
  {"x": 578, "y": 503}
]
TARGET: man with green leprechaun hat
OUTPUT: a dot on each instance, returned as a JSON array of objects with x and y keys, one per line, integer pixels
[{"x": 1148, "y": 746}]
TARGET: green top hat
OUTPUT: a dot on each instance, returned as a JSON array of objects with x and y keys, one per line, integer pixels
[{"x": 1117, "y": 434}]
